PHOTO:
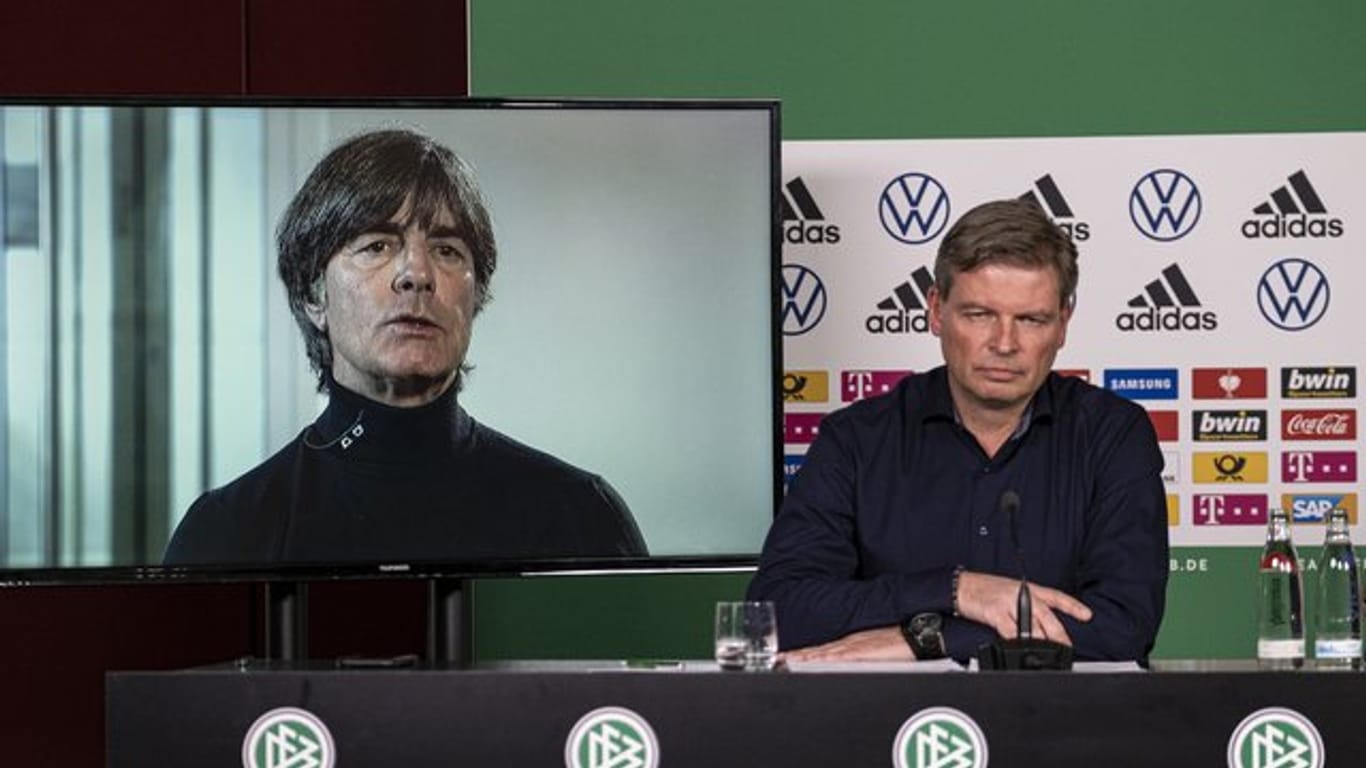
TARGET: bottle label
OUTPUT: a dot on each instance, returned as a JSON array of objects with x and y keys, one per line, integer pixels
[
  {"x": 1337, "y": 649},
  {"x": 1280, "y": 649}
]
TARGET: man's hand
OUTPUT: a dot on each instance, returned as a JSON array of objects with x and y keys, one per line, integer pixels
[
  {"x": 881, "y": 644},
  {"x": 991, "y": 600}
]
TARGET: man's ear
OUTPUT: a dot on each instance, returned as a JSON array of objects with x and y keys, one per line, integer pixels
[
  {"x": 316, "y": 304},
  {"x": 936, "y": 310}
]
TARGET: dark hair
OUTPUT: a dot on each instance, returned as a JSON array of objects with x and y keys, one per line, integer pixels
[
  {"x": 361, "y": 184},
  {"x": 1015, "y": 232}
]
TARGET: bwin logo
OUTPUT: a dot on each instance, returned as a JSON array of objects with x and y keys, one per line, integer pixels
[
  {"x": 804, "y": 300},
  {"x": 1160, "y": 309},
  {"x": 1293, "y": 294},
  {"x": 1295, "y": 212},
  {"x": 1047, "y": 195},
  {"x": 905, "y": 310},
  {"x": 914, "y": 208},
  {"x": 802, "y": 218},
  {"x": 1165, "y": 204}
]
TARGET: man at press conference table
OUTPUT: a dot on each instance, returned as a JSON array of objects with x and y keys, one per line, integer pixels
[{"x": 894, "y": 541}]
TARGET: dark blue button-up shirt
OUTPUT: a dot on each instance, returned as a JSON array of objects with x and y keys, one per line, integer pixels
[{"x": 895, "y": 494}]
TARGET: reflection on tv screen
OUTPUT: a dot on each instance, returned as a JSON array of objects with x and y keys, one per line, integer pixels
[{"x": 450, "y": 334}]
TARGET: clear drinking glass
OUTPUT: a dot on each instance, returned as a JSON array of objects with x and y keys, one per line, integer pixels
[{"x": 746, "y": 635}]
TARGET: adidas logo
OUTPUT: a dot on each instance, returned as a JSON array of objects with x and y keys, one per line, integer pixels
[
  {"x": 905, "y": 310},
  {"x": 1295, "y": 210},
  {"x": 802, "y": 218},
  {"x": 1048, "y": 197},
  {"x": 1167, "y": 304}
]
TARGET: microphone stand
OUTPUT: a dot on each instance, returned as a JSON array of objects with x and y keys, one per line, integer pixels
[{"x": 1024, "y": 651}]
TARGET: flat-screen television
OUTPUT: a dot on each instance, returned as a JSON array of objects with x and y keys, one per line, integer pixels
[{"x": 625, "y": 337}]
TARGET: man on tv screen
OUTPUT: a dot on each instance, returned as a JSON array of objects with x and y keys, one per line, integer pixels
[
  {"x": 386, "y": 253},
  {"x": 916, "y": 513}
]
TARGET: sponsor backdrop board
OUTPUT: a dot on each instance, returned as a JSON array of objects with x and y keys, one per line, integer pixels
[
  {"x": 890, "y": 69},
  {"x": 1217, "y": 282}
]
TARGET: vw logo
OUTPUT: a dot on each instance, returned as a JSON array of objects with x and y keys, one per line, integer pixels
[
  {"x": 914, "y": 208},
  {"x": 1293, "y": 294},
  {"x": 1165, "y": 204},
  {"x": 803, "y": 300}
]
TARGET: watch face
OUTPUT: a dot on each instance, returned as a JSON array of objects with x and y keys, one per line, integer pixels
[{"x": 925, "y": 623}]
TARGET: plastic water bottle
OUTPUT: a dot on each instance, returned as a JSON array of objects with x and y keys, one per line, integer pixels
[
  {"x": 1280, "y": 610},
  {"x": 1337, "y": 642}
]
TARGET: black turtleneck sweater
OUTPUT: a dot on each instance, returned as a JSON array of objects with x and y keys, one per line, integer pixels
[{"x": 372, "y": 483}]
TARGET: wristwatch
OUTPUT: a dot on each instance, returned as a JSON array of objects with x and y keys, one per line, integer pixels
[{"x": 924, "y": 632}]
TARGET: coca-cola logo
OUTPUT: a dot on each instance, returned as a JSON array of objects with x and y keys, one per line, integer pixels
[{"x": 1319, "y": 425}]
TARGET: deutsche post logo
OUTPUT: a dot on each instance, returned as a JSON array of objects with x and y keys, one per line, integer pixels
[
  {"x": 1231, "y": 467},
  {"x": 1275, "y": 737},
  {"x": 806, "y": 386},
  {"x": 288, "y": 737},
  {"x": 940, "y": 737},
  {"x": 611, "y": 737}
]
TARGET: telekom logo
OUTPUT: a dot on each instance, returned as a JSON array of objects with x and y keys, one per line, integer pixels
[
  {"x": 1318, "y": 466},
  {"x": 856, "y": 385}
]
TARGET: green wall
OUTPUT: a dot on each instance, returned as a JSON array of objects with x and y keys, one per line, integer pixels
[{"x": 915, "y": 69}]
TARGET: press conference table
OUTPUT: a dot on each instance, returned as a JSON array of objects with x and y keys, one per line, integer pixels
[{"x": 522, "y": 714}]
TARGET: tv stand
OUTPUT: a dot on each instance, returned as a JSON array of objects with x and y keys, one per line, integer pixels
[{"x": 449, "y": 622}]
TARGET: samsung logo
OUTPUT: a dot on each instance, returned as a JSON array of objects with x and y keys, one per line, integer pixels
[{"x": 1143, "y": 383}]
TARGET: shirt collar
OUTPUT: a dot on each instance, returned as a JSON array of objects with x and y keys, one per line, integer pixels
[
  {"x": 359, "y": 428},
  {"x": 939, "y": 401}
]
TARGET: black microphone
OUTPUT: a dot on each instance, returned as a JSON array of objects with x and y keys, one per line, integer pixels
[
  {"x": 1024, "y": 601},
  {"x": 1024, "y": 651}
]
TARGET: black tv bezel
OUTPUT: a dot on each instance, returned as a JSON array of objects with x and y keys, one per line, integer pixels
[{"x": 738, "y": 562}]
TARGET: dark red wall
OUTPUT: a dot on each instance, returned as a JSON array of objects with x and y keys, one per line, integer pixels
[
  {"x": 234, "y": 47},
  {"x": 57, "y": 642}
]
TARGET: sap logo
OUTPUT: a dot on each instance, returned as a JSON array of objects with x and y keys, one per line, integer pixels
[
  {"x": 1228, "y": 383},
  {"x": 1293, "y": 294},
  {"x": 1167, "y": 306},
  {"x": 856, "y": 385},
  {"x": 801, "y": 428},
  {"x": 1314, "y": 507},
  {"x": 1230, "y": 509},
  {"x": 1304, "y": 383},
  {"x": 804, "y": 300},
  {"x": 1217, "y": 426},
  {"x": 905, "y": 311},
  {"x": 792, "y": 464},
  {"x": 803, "y": 221},
  {"x": 1247, "y": 467},
  {"x": 1295, "y": 212},
  {"x": 1165, "y": 204},
  {"x": 1318, "y": 467},
  {"x": 1046, "y": 195},
  {"x": 1143, "y": 383},
  {"x": 1165, "y": 424},
  {"x": 806, "y": 386},
  {"x": 1319, "y": 425},
  {"x": 1171, "y": 467},
  {"x": 914, "y": 208}
]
